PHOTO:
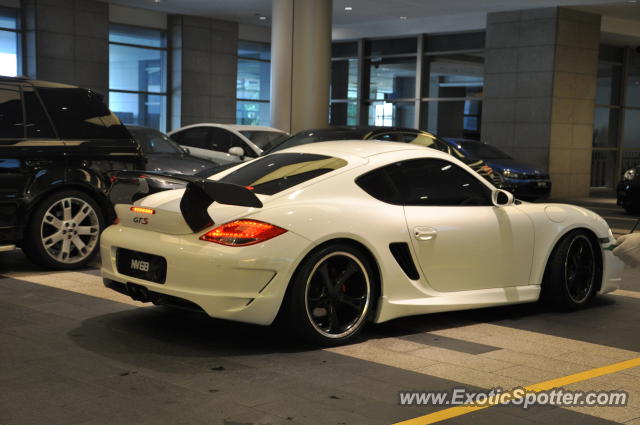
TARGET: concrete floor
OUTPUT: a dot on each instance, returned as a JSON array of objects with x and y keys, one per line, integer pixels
[{"x": 72, "y": 352}]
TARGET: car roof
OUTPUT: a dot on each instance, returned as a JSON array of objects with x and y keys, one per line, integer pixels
[
  {"x": 36, "y": 83},
  {"x": 236, "y": 127},
  {"x": 361, "y": 148}
]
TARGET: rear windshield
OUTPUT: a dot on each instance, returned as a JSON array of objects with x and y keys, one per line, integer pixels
[
  {"x": 275, "y": 173},
  {"x": 263, "y": 139}
]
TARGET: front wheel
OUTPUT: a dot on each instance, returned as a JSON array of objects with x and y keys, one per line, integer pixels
[
  {"x": 573, "y": 272},
  {"x": 63, "y": 231},
  {"x": 331, "y": 296}
]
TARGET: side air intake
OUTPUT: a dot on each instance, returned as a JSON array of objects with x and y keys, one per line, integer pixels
[{"x": 400, "y": 251}]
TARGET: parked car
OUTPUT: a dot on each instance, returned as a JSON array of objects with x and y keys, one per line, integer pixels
[
  {"x": 387, "y": 134},
  {"x": 526, "y": 181},
  {"x": 59, "y": 148},
  {"x": 330, "y": 236},
  {"x": 163, "y": 155},
  {"x": 226, "y": 143},
  {"x": 629, "y": 191}
]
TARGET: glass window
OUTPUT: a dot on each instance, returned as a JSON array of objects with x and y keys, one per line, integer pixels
[
  {"x": 630, "y": 160},
  {"x": 417, "y": 138},
  {"x": 605, "y": 130},
  {"x": 313, "y": 136},
  {"x": 80, "y": 114},
  {"x": 152, "y": 141},
  {"x": 633, "y": 79},
  {"x": 9, "y": 43},
  {"x": 435, "y": 182},
  {"x": 344, "y": 79},
  {"x": 392, "y": 114},
  {"x": 608, "y": 84},
  {"x": 603, "y": 164},
  {"x": 458, "y": 75},
  {"x": 11, "y": 123},
  {"x": 254, "y": 79},
  {"x": 458, "y": 119},
  {"x": 263, "y": 139},
  {"x": 136, "y": 35},
  {"x": 391, "y": 46},
  {"x": 253, "y": 113},
  {"x": 197, "y": 137},
  {"x": 37, "y": 123},
  {"x": 378, "y": 184},
  {"x": 631, "y": 135},
  {"x": 392, "y": 79},
  {"x": 343, "y": 113},
  {"x": 275, "y": 173},
  {"x": 253, "y": 84},
  {"x": 221, "y": 140},
  {"x": 254, "y": 50},
  {"x": 482, "y": 150},
  {"x": 138, "y": 75},
  {"x": 147, "y": 110}
]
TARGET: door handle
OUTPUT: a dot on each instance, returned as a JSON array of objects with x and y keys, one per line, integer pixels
[{"x": 425, "y": 233}]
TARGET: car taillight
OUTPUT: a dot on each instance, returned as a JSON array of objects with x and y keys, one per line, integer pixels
[{"x": 242, "y": 233}]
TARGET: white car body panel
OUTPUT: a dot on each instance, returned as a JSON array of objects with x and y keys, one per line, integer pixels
[
  {"x": 485, "y": 256},
  {"x": 236, "y": 129}
]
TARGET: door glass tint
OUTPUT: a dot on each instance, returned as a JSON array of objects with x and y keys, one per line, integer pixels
[
  {"x": 80, "y": 114},
  {"x": 11, "y": 124},
  {"x": 378, "y": 184},
  {"x": 194, "y": 137},
  {"x": 436, "y": 182},
  {"x": 221, "y": 140},
  {"x": 37, "y": 124},
  {"x": 275, "y": 173}
]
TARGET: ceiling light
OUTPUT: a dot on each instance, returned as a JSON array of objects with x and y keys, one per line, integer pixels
[
  {"x": 262, "y": 18},
  {"x": 157, "y": 1},
  {"x": 348, "y": 8},
  {"x": 404, "y": 18}
]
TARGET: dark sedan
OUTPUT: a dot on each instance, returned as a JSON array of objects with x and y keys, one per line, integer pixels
[
  {"x": 629, "y": 191},
  {"x": 524, "y": 180},
  {"x": 388, "y": 134},
  {"x": 165, "y": 156}
]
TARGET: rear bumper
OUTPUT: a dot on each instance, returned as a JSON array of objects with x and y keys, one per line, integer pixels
[{"x": 245, "y": 284}]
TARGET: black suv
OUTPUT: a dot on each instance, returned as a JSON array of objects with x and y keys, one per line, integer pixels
[{"x": 59, "y": 149}]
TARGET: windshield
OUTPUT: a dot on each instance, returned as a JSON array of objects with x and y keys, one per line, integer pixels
[
  {"x": 152, "y": 141},
  {"x": 275, "y": 173},
  {"x": 483, "y": 151},
  {"x": 263, "y": 139},
  {"x": 317, "y": 136}
]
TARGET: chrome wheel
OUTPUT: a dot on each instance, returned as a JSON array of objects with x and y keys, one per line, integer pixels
[
  {"x": 337, "y": 295},
  {"x": 580, "y": 269},
  {"x": 69, "y": 230}
]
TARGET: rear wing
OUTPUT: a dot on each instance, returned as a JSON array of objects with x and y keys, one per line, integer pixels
[{"x": 198, "y": 196}]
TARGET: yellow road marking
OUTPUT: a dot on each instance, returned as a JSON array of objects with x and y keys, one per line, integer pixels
[
  {"x": 453, "y": 412},
  {"x": 624, "y": 293}
]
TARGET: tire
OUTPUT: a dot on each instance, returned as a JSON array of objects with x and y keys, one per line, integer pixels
[
  {"x": 59, "y": 244},
  {"x": 573, "y": 272},
  {"x": 331, "y": 296}
]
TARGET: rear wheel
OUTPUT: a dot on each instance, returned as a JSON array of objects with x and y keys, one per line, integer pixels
[
  {"x": 573, "y": 272},
  {"x": 331, "y": 296},
  {"x": 63, "y": 231}
]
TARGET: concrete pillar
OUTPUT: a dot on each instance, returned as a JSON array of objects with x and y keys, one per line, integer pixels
[
  {"x": 300, "y": 63},
  {"x": 204, "y": 66},
  {"x": 539, "y": 96},
  {"x": 67, "y": 41}
]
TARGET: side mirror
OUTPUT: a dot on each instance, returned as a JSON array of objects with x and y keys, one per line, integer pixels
[
  {"x": 236, "y": 151},
  {"x": 502, "y": 198}
]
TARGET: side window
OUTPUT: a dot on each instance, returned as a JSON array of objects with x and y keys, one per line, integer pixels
[
  {"x": 220, "y": 140},
  {"x": 238, "y": 142},
  {"x": 378, "y": 184},
  {"x": 194, "y": 137},
  {"x": 435, "y": 182},
  {"x": 80, "y": 114},
  {"x": 37, "y": 123},
  {"x": 11, "y": 123}
]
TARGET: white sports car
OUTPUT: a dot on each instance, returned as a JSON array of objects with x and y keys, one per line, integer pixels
[{"x": 330, "y": 235}]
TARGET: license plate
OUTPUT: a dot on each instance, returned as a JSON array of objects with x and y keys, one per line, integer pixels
[
  {"x": 542, "y": 184},
  {"x": 141, "y": 265}
]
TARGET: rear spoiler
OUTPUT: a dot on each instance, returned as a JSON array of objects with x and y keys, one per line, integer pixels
[{"x": 198, "y": 196}]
